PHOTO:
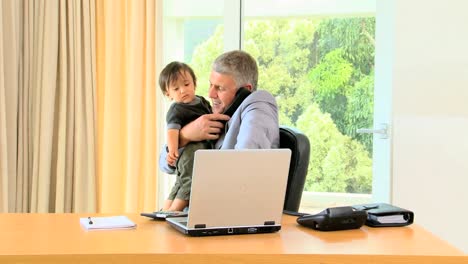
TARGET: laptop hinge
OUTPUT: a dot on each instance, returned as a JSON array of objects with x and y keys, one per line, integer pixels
[
  {"x": 269, "y": 223},
  {"x": 200, "y": 226}
]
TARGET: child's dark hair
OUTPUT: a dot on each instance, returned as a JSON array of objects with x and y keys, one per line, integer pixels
[{"x": 172, "y": 72}]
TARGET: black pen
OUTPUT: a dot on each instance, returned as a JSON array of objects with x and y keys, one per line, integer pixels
[{"x": 90, "y": 221}]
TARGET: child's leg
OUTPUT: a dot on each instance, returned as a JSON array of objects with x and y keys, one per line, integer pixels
[
  {"x": 185, "y": 168},
  {"x": 178, "y": 205},
  {"x": 167, "y": 205},
  {"x": 172, "y": 195}
]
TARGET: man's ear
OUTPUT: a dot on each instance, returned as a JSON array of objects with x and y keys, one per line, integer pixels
[{"x": 248, "y": 86}]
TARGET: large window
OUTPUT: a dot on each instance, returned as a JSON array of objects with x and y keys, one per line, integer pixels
[{"x": 316, "y": 58}]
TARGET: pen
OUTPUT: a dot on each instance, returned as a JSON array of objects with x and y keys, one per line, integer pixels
[{"x": 90, "y": 221}]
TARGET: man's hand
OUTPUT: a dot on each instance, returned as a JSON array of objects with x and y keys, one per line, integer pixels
[{"x": 206, "y": 127}]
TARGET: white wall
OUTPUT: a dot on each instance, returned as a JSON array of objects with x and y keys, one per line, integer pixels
[{"x": 430, "y": 115}]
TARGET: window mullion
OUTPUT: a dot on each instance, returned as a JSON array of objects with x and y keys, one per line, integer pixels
[{"x": 233, "y": 29}]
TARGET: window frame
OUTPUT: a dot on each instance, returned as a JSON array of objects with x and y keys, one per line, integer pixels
[{"x": 234, "y": 15}]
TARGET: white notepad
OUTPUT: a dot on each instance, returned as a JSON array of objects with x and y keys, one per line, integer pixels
[{"x": 107, "y": 222}]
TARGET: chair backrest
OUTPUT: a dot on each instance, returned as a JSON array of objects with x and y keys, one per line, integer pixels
[{"x": 300, "y": 152}]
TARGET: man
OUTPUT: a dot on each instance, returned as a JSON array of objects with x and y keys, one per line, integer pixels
[{"x": 254, "y": 123}]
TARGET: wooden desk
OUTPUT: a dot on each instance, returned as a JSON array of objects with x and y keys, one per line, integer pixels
[{"x": 59, "y": 238}]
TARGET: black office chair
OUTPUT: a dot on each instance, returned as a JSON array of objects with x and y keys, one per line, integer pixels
[{"x": 300, "y": 152}]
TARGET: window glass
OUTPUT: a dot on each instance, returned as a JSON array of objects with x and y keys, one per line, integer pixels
[
  {"x": 318, "y": 61},
  {"x": 321, "y": 74},
  {"x": 193, "y": 33}
]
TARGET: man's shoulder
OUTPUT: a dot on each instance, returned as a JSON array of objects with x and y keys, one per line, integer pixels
[{"x": 260, "y": 96}]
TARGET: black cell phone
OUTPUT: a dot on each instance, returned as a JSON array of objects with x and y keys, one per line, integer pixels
[
  {"x": 241, "y": 94},
  {"x": 335, "y": 218}
]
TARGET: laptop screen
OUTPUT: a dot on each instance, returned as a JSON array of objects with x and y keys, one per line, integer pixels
[{"x": 238, "y": 187}]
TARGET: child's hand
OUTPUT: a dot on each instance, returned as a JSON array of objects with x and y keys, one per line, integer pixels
[{"x": 172, "y": 157}]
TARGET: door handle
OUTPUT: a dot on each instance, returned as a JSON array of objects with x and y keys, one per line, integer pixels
[{"x": 382, "y": 131}]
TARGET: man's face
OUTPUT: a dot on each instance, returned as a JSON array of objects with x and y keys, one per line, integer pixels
[{"x": 222, "y": 91}]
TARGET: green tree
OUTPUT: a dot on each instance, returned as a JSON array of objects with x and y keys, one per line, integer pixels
[
  {"x": 354, "y": 38},
  {"x": 360, "y": 110},
  {"x": 354, "y": 35},
  {"x": 203, "y": 57},
  {"x": 330, "y": 81},
  {"x": 282, "y": 48},
  {"x": 337, "y": 163}
]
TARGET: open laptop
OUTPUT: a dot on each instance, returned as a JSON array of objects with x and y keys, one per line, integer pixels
[{"x": 236, "y": 192}]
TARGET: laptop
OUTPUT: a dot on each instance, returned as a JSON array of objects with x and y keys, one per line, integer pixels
[{"x": 236, "y": 192}]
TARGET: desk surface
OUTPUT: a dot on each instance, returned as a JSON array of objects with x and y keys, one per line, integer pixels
[{"x": 55, "y": 238}]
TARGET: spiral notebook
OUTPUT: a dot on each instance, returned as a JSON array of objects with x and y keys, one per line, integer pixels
[{"x": 107, "y": 222}]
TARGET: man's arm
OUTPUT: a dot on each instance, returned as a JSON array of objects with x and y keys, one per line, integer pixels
[
  {"x": 259, "y": 127},
  {"x": 206, "y": 127}
]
